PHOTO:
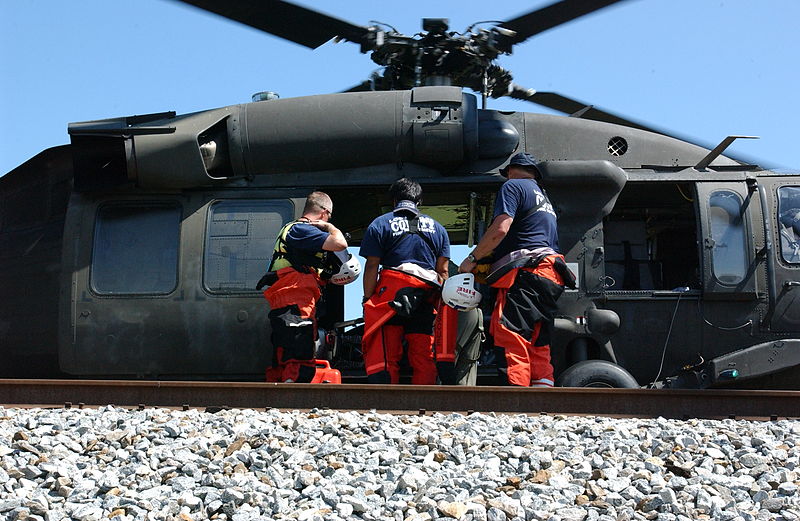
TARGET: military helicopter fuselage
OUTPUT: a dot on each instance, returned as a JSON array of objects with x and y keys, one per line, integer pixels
[{"x": 133, "y": 252}]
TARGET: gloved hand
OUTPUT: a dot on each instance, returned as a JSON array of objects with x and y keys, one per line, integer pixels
[
  {"x": 407, "y": 300},
  {"x": 269, "y": 278}
]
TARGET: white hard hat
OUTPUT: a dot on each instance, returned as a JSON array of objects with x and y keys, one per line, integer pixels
[
  {"x": 459, "y": 292},
  {"x": 349, "y": 270}
]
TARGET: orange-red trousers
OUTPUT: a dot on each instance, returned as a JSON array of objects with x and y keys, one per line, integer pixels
[
  {"x": 293, "y": 301},
  {"x": 384, "y": 331},
  {"x": 518, "y": 320},
  {"x": 445, "y": 335}
]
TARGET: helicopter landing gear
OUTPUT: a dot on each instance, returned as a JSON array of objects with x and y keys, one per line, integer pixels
[{"x": 597, "y": 373}]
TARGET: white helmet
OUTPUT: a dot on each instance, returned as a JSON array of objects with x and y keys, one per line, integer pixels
[
  {"x": 348, "y": 271},
  {"x": 459, "y": 292}
]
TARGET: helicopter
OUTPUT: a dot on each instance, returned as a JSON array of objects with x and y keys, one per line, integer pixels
[{"x": 133, "y": 248}]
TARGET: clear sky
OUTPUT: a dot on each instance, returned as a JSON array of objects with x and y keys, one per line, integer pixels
[{"x": 700, "y": 68}]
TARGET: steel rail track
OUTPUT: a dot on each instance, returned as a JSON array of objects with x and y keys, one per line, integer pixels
[{"x": 644, "y": 403}]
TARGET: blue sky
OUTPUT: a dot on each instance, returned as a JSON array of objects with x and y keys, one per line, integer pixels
[{"x": 700, "y": 68}]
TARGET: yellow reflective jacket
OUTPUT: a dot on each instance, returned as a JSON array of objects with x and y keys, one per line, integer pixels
[{"x": 284, "y": 255}]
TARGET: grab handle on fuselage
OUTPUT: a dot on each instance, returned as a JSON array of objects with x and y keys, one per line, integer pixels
[{"x": 770, "y": 257}]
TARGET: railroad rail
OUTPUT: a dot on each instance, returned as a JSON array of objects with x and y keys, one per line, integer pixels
[{"x": 644, "y": 403}]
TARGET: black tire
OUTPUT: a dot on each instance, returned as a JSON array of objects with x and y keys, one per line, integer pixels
[{"x": 597, "y": 373}]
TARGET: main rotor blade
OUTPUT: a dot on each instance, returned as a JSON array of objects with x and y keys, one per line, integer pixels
[
  {"x": 540, "y": 20},
  {"x": 285, "y": 19},
  {"x": 566, "y": 105},
  {"x": 361, "y": 87},
  {"x": 576, "y": 108}
]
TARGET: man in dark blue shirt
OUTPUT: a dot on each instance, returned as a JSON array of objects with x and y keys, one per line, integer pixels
[
  {"x": 297, "y": 259},
  {"x": 529, "y": 229},
  {"x": 526, "y": 271},
  {"x": 413, "y": 252}
]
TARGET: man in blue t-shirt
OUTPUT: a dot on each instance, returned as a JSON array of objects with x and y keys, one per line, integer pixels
[
  {"x": 413, "y": 252},
  {"x": 297, "y": 260},
  {"x": 527, "y": 271}
]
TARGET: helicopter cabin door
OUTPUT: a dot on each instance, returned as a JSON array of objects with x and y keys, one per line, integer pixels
[
  {"x": 783, "y": 200},
  {"x": 727, "y": 242}
]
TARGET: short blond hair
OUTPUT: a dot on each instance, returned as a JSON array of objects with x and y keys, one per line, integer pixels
[{"x": 317, "y": 201}]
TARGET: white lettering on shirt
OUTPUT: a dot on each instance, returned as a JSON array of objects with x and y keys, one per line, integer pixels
[
  {"x": 544, "y": 205},
  {"x": 399, "y": 225},
  {"x": 426, "y": 224}
]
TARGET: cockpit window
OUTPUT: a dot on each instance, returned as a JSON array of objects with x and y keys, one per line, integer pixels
[
  {"x": 789, "y": 223},
  {"x": 729, "y": 239},
  {"x": 239, "y": 242}
]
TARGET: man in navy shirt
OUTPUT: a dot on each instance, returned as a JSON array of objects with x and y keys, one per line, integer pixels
[
  {"x": 298, "y": 258},
  {"x": 527, "y": 272},
  {"x": 413, "y": 252}
]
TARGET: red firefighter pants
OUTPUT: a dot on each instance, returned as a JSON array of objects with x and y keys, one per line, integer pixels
[
  {"x": 521, "y": 321},
  {"x": 385, "y": 330},
  {"x": 293, "y": 300}
]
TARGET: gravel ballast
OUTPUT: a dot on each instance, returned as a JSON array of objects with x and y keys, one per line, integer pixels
[{"x": 242, "y": 465}]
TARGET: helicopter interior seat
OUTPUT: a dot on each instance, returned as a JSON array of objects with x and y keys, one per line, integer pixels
[
  {"x": 650, "y": 239},
  {"x": 629, "y": 265}
]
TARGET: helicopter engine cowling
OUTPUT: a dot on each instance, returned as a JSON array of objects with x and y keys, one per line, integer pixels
[{"x": 432, "y": 126}]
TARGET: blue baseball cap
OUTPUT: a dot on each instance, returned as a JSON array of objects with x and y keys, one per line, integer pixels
[
  {"x": 408, "y": 206},
  {"x": 520, "y": 159}
]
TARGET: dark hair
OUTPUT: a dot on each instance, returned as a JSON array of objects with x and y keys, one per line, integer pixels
[{"x": 406, "y": 189}]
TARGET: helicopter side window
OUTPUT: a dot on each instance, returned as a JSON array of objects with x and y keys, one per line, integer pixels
[
  {"x": 789, "y": 223},
  {"x": 239, "y": 240},
  {"x": 729, "y": 237},
  {"x": 135, "y": 249}
]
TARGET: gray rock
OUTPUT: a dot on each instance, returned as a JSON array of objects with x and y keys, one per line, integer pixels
[
  {"x": 477, "y": 511},
  {"x": 87, "y": 513},
  {"x": 495, "y": 514},
  {"x": 773, "y": 504},
  {"x": 332, "y": 465},
  {"x": 345, "y": 510},
  {"x": 573, "y": 514},
  {"x": 9, "y": 504},
  {"x": 412, "y": 478},
  {"x": 650, "y": 503},
  {"x": 359, "y": 503},
  {"x": 668, "y": 496},
  {"x": 751, "y": 460},
  {"x": 213, "y": 507},
  {"x": 233, "y": 496}
]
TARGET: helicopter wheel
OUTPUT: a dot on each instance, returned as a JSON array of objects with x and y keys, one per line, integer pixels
[{"x": 597, "y": 373}]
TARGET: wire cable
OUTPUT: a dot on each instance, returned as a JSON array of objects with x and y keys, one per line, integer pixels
[
  {"x": 683, "y": 194},
  {"x": 669, "y": 332},
  {"x": 721, "y": 328}
]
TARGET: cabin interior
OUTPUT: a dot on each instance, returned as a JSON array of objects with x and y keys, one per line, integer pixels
[{"x": 650, "y": 238}]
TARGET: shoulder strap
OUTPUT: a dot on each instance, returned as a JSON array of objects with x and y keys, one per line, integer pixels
[
  {"x": 295, "y": 258},
  {"x": 536, "y": 207},
  {"x": 413, "y": 229},
  {"x": 279, "y": 250}
]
